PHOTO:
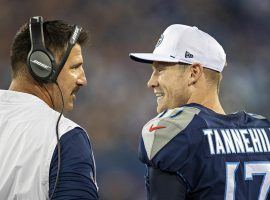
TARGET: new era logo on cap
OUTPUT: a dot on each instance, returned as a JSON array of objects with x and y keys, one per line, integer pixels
[
  {"x": 186, "y": 44},
  {"x": 188, "y": 55}
]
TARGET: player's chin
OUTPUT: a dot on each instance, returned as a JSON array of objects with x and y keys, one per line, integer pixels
[{"x": 160, "y": 108}]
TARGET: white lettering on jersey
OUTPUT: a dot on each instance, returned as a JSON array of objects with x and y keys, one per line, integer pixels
[
  {"x": 219, "y": 144},
  {"x": 228, "y": 141},
  {"x": 255, "y": 140},
  {"x": 243, "y": 133},
  {"x": 231, "y": 141},
  {"x": 209, "y": 133},
  {"x": 262, "y": 140},
  {"x": 238, "y": 141},
  {"x": 266, "y": 139}
]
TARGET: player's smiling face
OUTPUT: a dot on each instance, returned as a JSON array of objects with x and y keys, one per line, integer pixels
[
  {"x": 70, "y": 79},
  {"x": 170, "y": 85}
]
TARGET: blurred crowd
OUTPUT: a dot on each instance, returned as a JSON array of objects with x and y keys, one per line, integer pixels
[{"x": 116, "y": 103}]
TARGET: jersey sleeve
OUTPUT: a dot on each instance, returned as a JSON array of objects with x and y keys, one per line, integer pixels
[
  {"x": 164, "y": 185},
  {"x": 77, "y": 171},
  {"x": 169, "y": 141}
]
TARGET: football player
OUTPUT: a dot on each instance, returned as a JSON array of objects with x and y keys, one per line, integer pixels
[{"x": 192, "y": 149}]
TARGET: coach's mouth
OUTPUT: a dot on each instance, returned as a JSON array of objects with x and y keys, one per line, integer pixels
[{"x": 75, "y": 91}]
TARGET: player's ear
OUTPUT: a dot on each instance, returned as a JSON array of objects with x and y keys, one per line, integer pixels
[{"x": 196, "y": 71}]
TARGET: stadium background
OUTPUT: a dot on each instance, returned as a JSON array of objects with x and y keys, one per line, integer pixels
[{"x": 116, "y": 103}]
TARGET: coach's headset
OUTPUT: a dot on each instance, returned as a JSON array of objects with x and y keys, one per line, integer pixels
[{"x": 41, "y": 63}]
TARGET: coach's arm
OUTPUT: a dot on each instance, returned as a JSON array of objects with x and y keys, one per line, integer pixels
[{"x": 77, "y": 171}]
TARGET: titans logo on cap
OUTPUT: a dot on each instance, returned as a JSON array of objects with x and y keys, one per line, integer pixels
[{"x": 159, "y": 40}]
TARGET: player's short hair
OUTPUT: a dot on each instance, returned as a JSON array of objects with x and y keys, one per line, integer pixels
[
  {"x": 183, "y": 66},
  {"x": 56, "y": 36},
  {"x": 213, "y": 78}
]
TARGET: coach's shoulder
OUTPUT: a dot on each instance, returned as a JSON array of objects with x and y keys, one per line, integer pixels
[{"x": 66, "y": 125}]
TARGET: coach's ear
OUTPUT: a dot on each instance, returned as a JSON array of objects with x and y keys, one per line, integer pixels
[{"x": 196, "y": 71}]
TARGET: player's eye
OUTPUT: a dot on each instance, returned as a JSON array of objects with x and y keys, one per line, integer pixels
[{"x": 160, "y": 69}]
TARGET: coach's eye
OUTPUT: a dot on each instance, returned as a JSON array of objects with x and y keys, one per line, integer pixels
[{"x": 76, "y": 66}]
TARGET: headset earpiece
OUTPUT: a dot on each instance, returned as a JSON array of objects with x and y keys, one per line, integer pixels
[{"x": 40, "y": 62}]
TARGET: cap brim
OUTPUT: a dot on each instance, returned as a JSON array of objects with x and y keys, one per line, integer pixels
[{"x": 150, "y": 58}]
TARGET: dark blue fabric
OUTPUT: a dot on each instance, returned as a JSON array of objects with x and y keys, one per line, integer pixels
[
  {"x": 77, "y": 168},
  {"x": 188, "y": 156},
  {"x": 164, "y": 185}
]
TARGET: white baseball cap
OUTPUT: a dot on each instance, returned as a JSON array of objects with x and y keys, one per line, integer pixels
[{"x": 185, "y": 44}]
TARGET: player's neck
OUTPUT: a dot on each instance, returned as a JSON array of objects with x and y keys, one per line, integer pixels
[{"x": 209, "y": 100}]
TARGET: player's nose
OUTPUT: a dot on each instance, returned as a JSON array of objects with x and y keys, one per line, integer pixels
[{"x": 153, "y": 81}]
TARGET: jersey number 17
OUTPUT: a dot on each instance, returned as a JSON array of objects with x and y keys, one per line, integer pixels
[{"x": 250, "y": 169}]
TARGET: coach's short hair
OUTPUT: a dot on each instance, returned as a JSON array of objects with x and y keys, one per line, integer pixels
[{"x": 56, "y": 37}]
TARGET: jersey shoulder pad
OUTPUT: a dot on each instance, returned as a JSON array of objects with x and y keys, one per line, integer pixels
[{"x": 164, "y": 127}]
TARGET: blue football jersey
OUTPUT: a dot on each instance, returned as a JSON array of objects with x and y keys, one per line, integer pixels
[{"x": 217, "y": 156}]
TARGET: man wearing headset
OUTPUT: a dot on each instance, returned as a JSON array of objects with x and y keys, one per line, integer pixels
[{"x": 43, "y": 154}]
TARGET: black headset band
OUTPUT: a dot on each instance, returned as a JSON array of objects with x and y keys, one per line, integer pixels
[
  {"x": 36, "y": 34},
  {"x": 72, "y": 41}
]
